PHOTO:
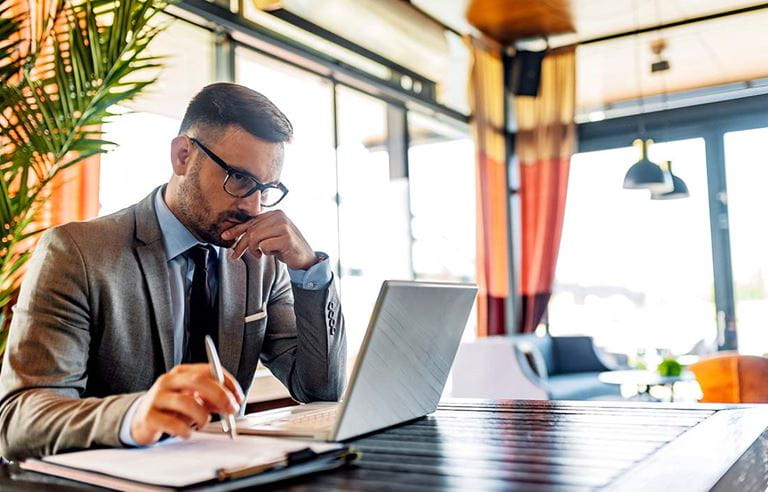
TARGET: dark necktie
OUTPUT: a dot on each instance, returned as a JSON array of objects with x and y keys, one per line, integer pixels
[{"x": 203, "y": 308}]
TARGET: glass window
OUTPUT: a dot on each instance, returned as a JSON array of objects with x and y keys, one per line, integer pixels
[
  {"x": 142, "y": 160},
  {"x": 412, "y": 41},
  {"x": 309, "y": 170},
  {"x": 634, "y": 273},
  {"x": 441, "y": 171},
  {"x": 373, "y": 212},
  {"x": 747, "y": 172},
  {"x": 442, "y": 178}
]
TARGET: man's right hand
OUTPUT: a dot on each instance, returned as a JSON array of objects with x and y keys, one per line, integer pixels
[{"x": 182, "y": 398}]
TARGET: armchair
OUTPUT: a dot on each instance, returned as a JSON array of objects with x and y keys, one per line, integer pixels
[
  {"x": 567, "y": 366},
  {"x": 732, "y": 378}
]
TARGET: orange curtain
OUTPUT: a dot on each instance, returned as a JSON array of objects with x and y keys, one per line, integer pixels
[
  {"x": 486, "y": 96},
  {"x": 74, "y": 193},
  {"x": 545, "y": 142}
]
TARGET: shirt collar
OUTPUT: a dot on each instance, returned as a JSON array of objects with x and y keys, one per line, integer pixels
[{"x": 176, "y": 236}]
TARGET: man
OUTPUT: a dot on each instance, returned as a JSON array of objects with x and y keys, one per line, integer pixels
[{"x": 106, "y": 344}]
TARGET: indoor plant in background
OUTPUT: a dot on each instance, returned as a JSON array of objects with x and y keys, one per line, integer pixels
[
  {"x": 669, "y": 367},
  {"x": 63, "y": 65}
]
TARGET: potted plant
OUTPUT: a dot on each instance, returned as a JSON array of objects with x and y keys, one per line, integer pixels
[
  {"x": 669, "y": 367},
  {"x": 63, "y": 65}
]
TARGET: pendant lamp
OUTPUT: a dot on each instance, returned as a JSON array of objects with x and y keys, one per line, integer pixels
[
  {"x": 679, "y": 190},
  {"x": 647, "y": 175}
]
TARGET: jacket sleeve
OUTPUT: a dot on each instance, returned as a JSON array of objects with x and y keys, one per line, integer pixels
[
  {"x": 305, "y": 343},
  {"x": 45, "y": 367}
]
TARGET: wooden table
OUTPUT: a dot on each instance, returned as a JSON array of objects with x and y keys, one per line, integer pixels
[{"x": 528, "y": 445}]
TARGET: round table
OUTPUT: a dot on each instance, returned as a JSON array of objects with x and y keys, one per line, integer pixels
[{"x": 644, "y": 380}]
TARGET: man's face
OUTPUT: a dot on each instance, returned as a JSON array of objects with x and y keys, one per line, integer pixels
[{"x": 202, "y": 204}]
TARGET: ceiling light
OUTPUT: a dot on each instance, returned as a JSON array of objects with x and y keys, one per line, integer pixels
[
  {"x": 647, "y": 175},
  {"x": 679, "y": 188}
]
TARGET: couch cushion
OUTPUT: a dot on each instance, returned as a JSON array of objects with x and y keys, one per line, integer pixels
[
  {"x": 580, "y": 386},
  {"x": 576, "y": 354}
]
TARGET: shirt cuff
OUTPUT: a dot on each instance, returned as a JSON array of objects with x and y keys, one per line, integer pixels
[
  {"x": 316, "y": 277},
  {"x": 125, "y": 426}
]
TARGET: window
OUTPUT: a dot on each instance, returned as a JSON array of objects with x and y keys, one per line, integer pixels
[
  {"x": 442, "y": 184},
  {"x": 634, "y": 273},
  {"x": 747, "y": 175},
  {"x": 373, "y": 212},
  {"x": 309, "y": 170},
  {"x": 441, "y": 171}
]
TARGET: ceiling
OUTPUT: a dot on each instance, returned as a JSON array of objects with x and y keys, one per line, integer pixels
[
  {"x": 702, "y": 54},
  {"x": 596, "y": 18},
  {"x": 509, "y": 20},
  {"x": 705, "y": 54},
  {"x": 590, "y": 18}
]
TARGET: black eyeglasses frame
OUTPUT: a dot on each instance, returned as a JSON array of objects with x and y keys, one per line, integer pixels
[{"x": 257, "y": 185}]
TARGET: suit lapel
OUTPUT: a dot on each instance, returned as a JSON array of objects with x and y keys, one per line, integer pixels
[
  {"x": 151, "y": 254},
  {"x": 232, "y": 303}
]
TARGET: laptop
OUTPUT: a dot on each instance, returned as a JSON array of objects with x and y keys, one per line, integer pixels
[{"x": 400, "y": 372}]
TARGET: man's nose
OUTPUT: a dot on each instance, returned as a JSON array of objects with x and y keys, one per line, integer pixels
[{"x": 251, "y": 204}]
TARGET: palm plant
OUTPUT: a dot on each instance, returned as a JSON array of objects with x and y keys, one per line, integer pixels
[{"x": 63, "y": 65}]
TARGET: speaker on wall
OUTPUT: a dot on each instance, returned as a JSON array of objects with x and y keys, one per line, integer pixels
[{"x": 524, "y": 73}]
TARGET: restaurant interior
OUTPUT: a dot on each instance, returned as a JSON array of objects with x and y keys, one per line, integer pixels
[{"x": 593, "y": 166}]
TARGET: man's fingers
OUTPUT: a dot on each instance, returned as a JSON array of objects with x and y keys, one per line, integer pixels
[
  {"x": 217, "y": 395},
  {"x": 234, "y": 387},
  {"x": 197, "y": 377},
  {"x": 261, "y": 219},
  {"x": 185, "y": 405},
  {"x": 253, "y": 239},
  {"x": 272, "y": 246},
  {"x": 237, "y": 230},
  {"x": 189, "y": 422},
  {"x": 167, "y": 422},
  {"x": 202, "y": 369}
]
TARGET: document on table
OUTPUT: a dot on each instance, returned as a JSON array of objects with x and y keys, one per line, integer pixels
[{"x": 176, "y": 462}]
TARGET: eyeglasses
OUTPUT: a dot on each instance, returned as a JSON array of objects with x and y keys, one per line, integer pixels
[{"x": 241, "y": 185}]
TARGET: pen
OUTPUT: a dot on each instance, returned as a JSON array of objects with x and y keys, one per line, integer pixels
[{"x": 227, "y": 420}]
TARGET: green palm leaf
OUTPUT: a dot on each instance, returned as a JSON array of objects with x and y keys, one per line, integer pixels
[{"x": 55, "y": 92}]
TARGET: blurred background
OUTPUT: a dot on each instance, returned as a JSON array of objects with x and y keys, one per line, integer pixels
[{"x": 491, "y": 141}]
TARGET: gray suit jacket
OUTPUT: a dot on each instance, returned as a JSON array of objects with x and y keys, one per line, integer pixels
[{"x": 92, "y": 330}]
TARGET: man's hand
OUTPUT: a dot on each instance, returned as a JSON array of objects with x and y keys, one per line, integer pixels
[
  {"x": 182, "y": 398},
  {"x": 272, "y": 233}
]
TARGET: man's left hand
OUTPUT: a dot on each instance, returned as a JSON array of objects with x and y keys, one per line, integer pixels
[{"x": 272, "y": 233}]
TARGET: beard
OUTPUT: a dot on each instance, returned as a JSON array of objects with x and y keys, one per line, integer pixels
[{"x": 197, "y": 215}]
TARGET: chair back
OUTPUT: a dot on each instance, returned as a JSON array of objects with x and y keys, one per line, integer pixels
[{"x": 732, "y": 378}]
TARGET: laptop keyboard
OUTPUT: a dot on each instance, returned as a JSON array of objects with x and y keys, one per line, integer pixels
[{"x": 311, "y": 419}]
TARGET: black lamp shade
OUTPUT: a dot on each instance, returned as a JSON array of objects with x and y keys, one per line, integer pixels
[
  {"x": 647, "y": 175},
  {"x": 679, "y": 190}
]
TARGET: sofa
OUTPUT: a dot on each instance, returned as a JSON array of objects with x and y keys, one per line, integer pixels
[{"x": 567, "y": 367}]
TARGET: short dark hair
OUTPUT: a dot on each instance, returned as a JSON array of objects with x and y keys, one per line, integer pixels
[{"x": 220, "y": 105}]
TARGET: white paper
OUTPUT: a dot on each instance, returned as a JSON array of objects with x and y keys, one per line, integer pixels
[{"x": 178, "y": 463}]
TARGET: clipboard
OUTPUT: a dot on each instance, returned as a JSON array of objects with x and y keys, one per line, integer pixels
[
  {"x": 177, "y": 465},
  {"x": 317, "y": 464}
]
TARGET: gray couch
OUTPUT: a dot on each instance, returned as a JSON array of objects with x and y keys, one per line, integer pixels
[{"x": 566, "y": 367}]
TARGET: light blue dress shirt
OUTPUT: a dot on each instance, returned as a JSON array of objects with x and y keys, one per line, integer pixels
[{"x": 177, "y": 240}]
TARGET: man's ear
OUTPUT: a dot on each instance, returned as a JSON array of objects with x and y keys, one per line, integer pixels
[{"x": 181, "y": 151}]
